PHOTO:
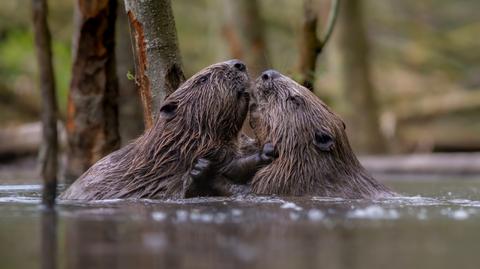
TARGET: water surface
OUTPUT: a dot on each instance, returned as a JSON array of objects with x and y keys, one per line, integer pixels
[{"x": 436, "y": 225}]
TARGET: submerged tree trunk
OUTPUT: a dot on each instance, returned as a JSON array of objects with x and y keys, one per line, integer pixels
[
  {"x": 354, "y": 67},
  {"x": 244, "y": 32},
  {"x": 158, "y": 63},
  {"x": 49, "y": 148},
  {"x": 130, "y": 111},
  {"x": 92, "y": 114}
]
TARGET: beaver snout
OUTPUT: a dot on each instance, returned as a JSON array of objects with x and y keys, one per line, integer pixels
[
  {"x": 238, "y": 65},
  {"x": 270, "y": 75}
]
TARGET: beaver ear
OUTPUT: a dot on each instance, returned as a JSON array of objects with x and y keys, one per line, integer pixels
[
  {"x": 323, "y": 141},
  {"x": 296, "y": 100},
  {"x": 168, "y": 109}
]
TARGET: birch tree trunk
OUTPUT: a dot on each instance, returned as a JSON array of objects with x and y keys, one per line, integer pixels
[
  {"x": 49, "y": 147},
  {"x": 158, "y": 63},
  {"x": 244, "y": 32},
  {"x": 92, "y": 113},
  {"x": 355, "y": 80}
]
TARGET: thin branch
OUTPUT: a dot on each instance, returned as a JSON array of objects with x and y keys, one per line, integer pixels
[
  {"x": 332, "y": 18},
  {"x": 49, "y": 147},
  {"x": 310, "y": 44}
]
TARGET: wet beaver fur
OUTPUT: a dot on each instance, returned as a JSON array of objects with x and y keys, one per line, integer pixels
[
  {"x": 200, "y": 121},
  {"x": 315, "y": 157}
]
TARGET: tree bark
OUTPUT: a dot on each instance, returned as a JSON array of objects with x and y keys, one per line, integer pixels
[
  {"x": 310, "y": 44},
  {"x": 48, "y": 151},
  {"x": 92, "y": 113},
  {"x": 355, "y": 80},
  {"x": 130, "y": 105},
  {"x": 158, "y": 63},
  {"x": 244, "y": 32}
]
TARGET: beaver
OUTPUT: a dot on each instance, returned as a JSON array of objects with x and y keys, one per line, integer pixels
[
  {"x": 315, "y": 157},
  {"x": 200, "y": 121}
]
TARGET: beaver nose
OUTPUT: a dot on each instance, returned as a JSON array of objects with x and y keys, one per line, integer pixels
[
  {"x": 270, "y": 75},
  {"x": 237, "y": 64}
]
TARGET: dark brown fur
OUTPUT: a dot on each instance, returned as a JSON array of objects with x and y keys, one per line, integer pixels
[
  {"x": 315, "y": 157},
  {"x": 202, "y": 118}
]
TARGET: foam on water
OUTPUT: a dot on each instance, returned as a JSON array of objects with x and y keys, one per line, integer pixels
[
  {"x": 9, "y": 188},
  {"x": 241, "y": 208},
  {"x": 290, "y": 205},
  {"x": 20, "y": 200},
  {"x": 374, "y": 212},
  {"x": 315, "y": 215}
]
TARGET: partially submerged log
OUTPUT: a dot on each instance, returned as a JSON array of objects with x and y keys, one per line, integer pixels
[
  {"x": 25, "y": 139},
  {"x": 432, "y": 106},
  {"x": 446, "y": 164},
  {"x": 21, "y": 140}
]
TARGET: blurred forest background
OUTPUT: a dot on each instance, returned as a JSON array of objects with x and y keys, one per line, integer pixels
[{"x": 404, "y": 74}]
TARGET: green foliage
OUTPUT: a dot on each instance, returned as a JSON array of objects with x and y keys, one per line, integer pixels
[
  {"x": 18, "y": 56},
  {"x": 18, "y": 67},
  {"x": 130, "y": 75}
]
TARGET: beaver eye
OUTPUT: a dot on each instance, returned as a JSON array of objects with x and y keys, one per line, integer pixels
[{"x": 323, "y": 141}]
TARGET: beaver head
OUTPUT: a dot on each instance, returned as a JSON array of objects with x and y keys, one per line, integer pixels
[
  {"x": 213, "y": 102},
  {"x": 314, "y": 154}
]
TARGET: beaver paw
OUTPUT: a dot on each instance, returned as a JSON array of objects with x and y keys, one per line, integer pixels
[
  {"x": 269, "y": 153},
  {"x": 201, "y": 169}
]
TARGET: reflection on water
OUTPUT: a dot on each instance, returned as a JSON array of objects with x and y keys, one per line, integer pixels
[
  {"x": 435, "y": 227},
  {"x": 48, "y": 250}
]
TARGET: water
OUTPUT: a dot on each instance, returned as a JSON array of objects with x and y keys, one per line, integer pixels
[{"x": 435, "y": 226}]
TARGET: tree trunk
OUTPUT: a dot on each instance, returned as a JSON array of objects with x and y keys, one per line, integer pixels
[
  {"x": 309, "y": 45},
  {"x": 354, "y": 68},
  {"x": 48, "y": 152},
  {"x": 158, "y": 64},
  {"x": 244, "y": 32},
  {"x": 130, "y": 106},
  {"x": 92, "y": 114}
]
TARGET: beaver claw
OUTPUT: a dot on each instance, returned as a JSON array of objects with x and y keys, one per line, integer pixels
[
  {"x": 268, "y": 153},
  {"x": 198, "y": 183},
  {"x": 201, "y": 169}
]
